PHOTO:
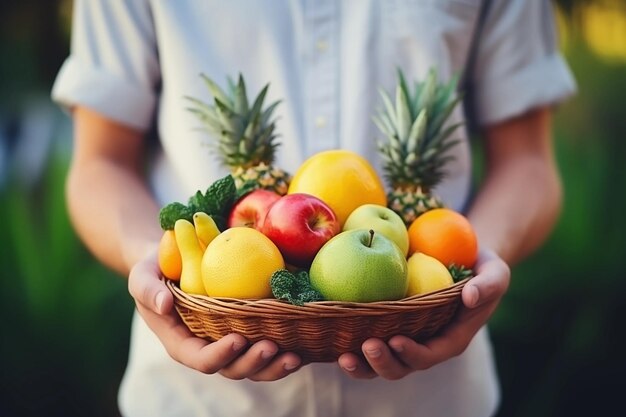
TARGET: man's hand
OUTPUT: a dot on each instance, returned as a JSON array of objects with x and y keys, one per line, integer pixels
[
  {"x": 230, "y": 356},
  {"x": 401, "y": 355}
]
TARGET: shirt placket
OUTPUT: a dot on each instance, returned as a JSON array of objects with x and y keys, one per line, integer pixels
[{"x": 322, "y": 75}]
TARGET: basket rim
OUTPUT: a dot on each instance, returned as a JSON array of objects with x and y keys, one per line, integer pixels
[{"x": 271, "y": 307}]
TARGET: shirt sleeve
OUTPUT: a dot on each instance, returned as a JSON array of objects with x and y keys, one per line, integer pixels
[
  {"x": 113, "y": 65},
  {"x": 518, "y": 65}
]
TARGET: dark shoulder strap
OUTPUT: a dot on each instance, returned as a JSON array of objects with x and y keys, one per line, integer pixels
[{"x": 465, "y": 83}]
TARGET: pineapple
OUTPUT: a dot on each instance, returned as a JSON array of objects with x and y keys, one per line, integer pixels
[
  {"x": 414, "y": 152},
  {"x": 244, "y": 135}
]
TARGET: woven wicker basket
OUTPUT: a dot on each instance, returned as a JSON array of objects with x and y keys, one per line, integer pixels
[{"x": 319, "y": 331}]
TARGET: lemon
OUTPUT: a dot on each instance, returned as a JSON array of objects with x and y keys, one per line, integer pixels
[
  {"x": 239, "y": 263},
  {"x": 427, "y": 274},
  {"x": 342, "y": 179}
]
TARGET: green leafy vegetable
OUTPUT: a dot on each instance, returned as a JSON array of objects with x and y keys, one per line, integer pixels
[
  {"x": 172, "y": 212},
  {"x": 459, "y": 273},
  {"x": 220, "y": 196},
  {"x": 294, "y": 288},
  {"x": 216, "y": 202}
]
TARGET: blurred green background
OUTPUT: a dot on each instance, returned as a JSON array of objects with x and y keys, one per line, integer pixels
[{"x": 558, "y": 334}]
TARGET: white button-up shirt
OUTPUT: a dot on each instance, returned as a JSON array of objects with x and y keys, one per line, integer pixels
[{"x": 135, "y": 61}]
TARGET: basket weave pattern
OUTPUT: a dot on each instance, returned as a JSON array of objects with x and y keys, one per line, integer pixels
[{"x": 319, "y": 331}]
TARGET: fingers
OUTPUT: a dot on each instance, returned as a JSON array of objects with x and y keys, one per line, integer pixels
[
  {"x": 260, "y": 363},
  {"x": 147, "y": 289},
  {"x": 355, "y": 367},
  {"x": 227, "y": 355},
  {"x": 379, "y": 361},
  {"x": 281, "y": 366},
  {"x": 417, "y": 356},
  {"x": 490, "y": 283}
]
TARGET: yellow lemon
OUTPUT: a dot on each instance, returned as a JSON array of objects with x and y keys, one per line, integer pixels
[
  {"x": 427, "y": 274},
  {"x": 239, "y": 263},
  {"x": 342, "y": 179}
]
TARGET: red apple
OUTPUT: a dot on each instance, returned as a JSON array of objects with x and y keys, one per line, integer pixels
[
  {"x": 299, "y": 224},
  {"x": 251, "y": 209}
]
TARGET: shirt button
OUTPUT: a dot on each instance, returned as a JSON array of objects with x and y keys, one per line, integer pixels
[
  {"x": 320, "y": 122},
  {"x": 321, "y": 45}
]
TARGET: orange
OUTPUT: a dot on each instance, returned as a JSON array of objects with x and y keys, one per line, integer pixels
[
  {"x": 170, "y": 261},
  {"x": 342, "y": 179},
  {"x": 446, "y": 235},
  {"x": 239, "y": 263}
]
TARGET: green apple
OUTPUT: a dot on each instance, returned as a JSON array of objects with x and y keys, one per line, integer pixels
[
  {"x": 382, "y": 220},
  {"x": 361, "y": 266}
]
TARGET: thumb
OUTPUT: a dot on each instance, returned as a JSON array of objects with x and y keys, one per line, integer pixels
[
  {"x": 147, "y": 288},
  {"x": 489, "y": 284}
]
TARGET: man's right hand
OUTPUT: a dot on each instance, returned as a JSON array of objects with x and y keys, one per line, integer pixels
[{"x": 230, "y": 356}]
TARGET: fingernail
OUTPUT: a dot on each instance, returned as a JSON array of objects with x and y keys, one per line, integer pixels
[
  {"x": 266, "y": 354},
  {"x": 238, "y": 346},
  {"x": 291, "y": 366},
  {"x": 159, "y": 300},
  {"x": 397, "y": 348},
  {"x": 373, "y": 353},
  {"x": 474, "y": 295},
  {"x": 350, "y": 368}
]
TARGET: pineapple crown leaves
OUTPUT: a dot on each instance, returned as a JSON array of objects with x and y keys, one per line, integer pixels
[
  {"x": 244, "y": 132},
  {"x": 414, "y": 152}
]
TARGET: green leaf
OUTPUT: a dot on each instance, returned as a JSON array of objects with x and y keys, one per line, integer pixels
[
  {"x": 391, "y": 113},
  {"x": 221, "y": 195},
  {"x": 240, "y": 98},
  {"x": 428, "y": 95},
  {"x": 258, "y": 102},
  {"x": 459, "y": 273},
  {"x": 216, "y": 91},
  {"x": 172, "y": 212},
  {"x": 403, "y": 113},
  {"x": 417, "y": 132}
]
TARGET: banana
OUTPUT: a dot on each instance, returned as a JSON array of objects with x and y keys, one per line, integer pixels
[
  {"x": 206, "y": 229},
  {"x": 191, "y": 254}
]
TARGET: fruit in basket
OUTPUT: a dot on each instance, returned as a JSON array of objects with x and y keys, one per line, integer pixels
[
  {"x": 170, "y": 262},
  {"x": 361, "y": 266},
  {"x": 239, "y": 263},
  {"x": 191, "y": 255},
  {"x": 244, "y": 134},
  {"x": 342, "y": 179},
  {"x": 414, "y": 152},
  {"x": 206, "y": 229},
  {"x": 251, "y": 209},
  {"x": 216, "y": 201},
  {"x": 445, "y": 235},
  {"x": 382, "y": 220},
  {"x": 426, "y": 274},
  {"x": 300, "y": 224}
]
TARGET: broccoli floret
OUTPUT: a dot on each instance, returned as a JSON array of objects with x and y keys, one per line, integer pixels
[
  {"x": 294, "y": 288},
  {"x": 172, "y": 212}
]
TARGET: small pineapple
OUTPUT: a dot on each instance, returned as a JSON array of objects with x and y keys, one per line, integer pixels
[
  {"x": 414, "y": 152},
  {"x": 244, "y": 135}
]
